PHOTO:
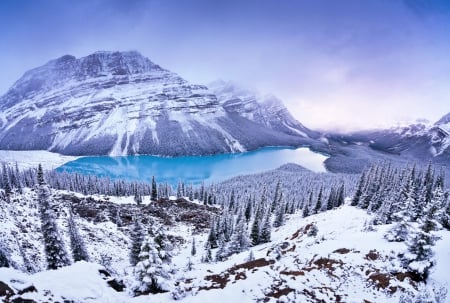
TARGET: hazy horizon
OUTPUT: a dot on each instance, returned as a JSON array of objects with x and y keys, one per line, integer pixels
[{"x": 336, "y": 65}]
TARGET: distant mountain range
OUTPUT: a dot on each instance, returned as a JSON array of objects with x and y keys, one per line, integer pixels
[{"x": 120, "y": 103}]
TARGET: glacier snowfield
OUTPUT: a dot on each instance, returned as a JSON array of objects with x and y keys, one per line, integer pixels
[{"x": 194, "y": 169}]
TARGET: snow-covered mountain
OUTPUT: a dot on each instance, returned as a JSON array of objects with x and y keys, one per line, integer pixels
[
  {"x": 122, "y": 103},
  {"x": 418, "y": 141}
]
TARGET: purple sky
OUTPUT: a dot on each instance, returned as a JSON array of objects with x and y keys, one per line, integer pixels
[{"x": 342, "y": 64}]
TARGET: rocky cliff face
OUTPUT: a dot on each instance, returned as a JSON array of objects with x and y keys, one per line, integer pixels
[{"x": 121, "y": 103}]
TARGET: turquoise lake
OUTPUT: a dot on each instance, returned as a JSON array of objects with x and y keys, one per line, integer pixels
[{"x": 194, "y": 169}]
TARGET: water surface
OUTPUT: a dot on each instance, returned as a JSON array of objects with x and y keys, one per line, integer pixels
[{"x": 194, "y": 169}]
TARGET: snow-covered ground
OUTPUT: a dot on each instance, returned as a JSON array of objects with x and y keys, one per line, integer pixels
[
  {"x": 31, "y": 158},
  {"x": 343, "y": 260}
]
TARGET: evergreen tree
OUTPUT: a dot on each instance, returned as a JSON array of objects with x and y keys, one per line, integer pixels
[
  {"x": 154, "y": 194},
  {"x": 280, "y": 214},
  {"x": 276, "y": 198},
  {"x": 153, "y": 269},
  {"x": 255, "y": 229},
  {"x": 239, "y": 241},
  {"x": 340, "y": 200},
  {"x": 193, "y": 248},
  {"x": 248, "y": 210},
  {"x": 359, "y": 191},
  {"x": 222, "y": 253},
  {"x": 4, "y": 261},
  {"x": 137, "y": 238},
  {"x": 318, "y": 206},
  {"x": 331, "y": 200},
  {"x": 212, "y": 236},
  {"x": 403, "y": 215},
  {"x": 79, "y": 251},
  {"x": 55, "y": 251},
  {"x": 421, "y": 241},
  {"x": 5, "y": 179},
  {"x": 208, "y": 255},
  {"x": 266, "y": 229}
]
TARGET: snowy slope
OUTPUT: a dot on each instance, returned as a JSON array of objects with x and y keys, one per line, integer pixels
[
  {"x": 121, "y": 103},
  {"x": 343, "y": 262},
  {"x": 32, "y": 158}
]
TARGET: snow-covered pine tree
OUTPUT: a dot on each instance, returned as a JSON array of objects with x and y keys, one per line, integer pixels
[
  {"x": 402, "y": 217},
  {"x": 154, "y": 194},
  {"x": 318, "y": 206},
  {"x": 340, "y": 199},
  {"x": 193, "y": 247},
  {"x": 331, "y": 199},
  {"x": 420, "y": 241},
  {"x": 55, "y": 250},
  {"x": 4, "y": 261},
  {"x": 239, "y": 241},
  {"x": 256, "y": 226},
  {"x": 359, "y": 191},
  {"x": 137, "y": 238},
  {"x": 79, "y": 252},
  {"x": 280, "y": 213},
  {"x": 266, "y": 229},
  {"x": 276, "y": 198},
  {"x": 152, "y": 272},
  {"x": 5, "y": 179},
  {"x": 306, "y": 205}
]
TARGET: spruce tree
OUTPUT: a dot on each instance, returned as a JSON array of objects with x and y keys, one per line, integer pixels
[
  {"x": 54, "y": 248},
  {"x": 79, "y": 252},
  {"x": 153, "y": 269},
  {"x": 318, "y": 206},
  {"x": 5, "y": 179},
  {"x": 154, "y": 194},
  {"x": 266, "y": 229},
  {"x": 421, "y": 241},
  {"x": 136, "y": 237},
  {"x": 193, "y": 248},
  {"x": 4, "y": 261},
  {"x": 255, "y": 229},
  {"x": 340, "y": 200},
  {"x": 359, "y": 191},
  {"x": 239, "y": 241}
]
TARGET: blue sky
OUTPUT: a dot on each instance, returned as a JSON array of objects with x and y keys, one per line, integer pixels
[{"x": 342, "y": 64}]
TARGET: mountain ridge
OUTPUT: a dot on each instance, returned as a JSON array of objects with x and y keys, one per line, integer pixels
[{"x": 120, "y": 103}]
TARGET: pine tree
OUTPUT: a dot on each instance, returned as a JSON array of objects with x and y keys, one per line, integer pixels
[
  {"x": 153, "y": 269},
  {"x": 421, "y": 241},
  {"x": 4, "y": 262},
  {"x": 222, "y": 253},
  {"x": 208, "y": 255},
  {"x": 239, "y": 241},
  {"x": 276, "y": 197},
  {"x": 212, "y": 236},
  {"x": 154, "y": 194},
  {"x": 79, "y": 251},
  {"x": 318, "y": 206},
  {"x": 55, "y": 251},
  {"x": 359, "y": 191},
  {"x": 340, "y": 200},
  {"x": 280, "y": 214},
  {"x": 331, "y": 200},
  {"x": 193, "y": 248},
  {"x": 248, "y": 210},
  {"x": 402, "y": 217},
  {"x": 266, "y": 229},
  {"x": 6, "y": 184},
  {"x": 255, "y": 229},
  {"x": 137, "y": 237}
]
